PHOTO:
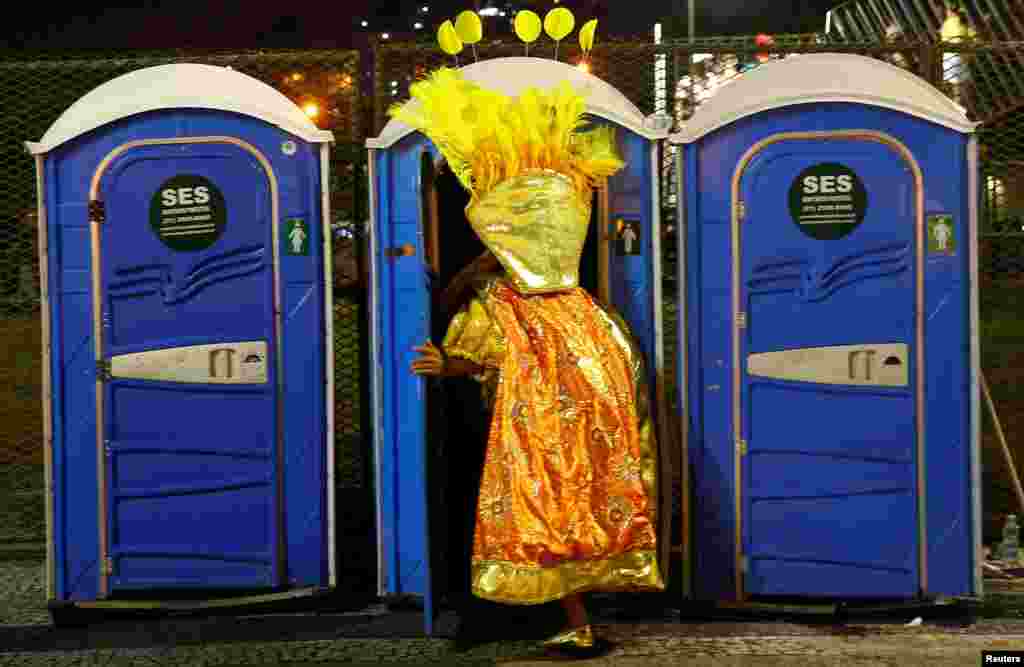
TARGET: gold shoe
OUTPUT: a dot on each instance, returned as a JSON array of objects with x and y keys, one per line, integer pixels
[{"x": 581, "y": 637}]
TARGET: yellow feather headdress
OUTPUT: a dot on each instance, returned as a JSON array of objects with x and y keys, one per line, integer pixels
[{"x": 488, "y": 138}]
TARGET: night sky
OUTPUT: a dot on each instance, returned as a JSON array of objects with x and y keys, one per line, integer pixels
[{"x": 159, "y": 24}]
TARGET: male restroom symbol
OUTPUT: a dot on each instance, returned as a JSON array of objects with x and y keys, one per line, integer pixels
[{"x": 629, "y": 237}]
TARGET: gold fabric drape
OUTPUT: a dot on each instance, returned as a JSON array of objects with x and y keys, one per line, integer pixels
[{"x": 568, "y": 498}]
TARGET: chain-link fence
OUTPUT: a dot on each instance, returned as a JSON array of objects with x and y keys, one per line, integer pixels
[{"x": 35, "y": 92}]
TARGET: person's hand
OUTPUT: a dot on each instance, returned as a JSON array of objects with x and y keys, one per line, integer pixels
[{"x": 431, "y": 361}]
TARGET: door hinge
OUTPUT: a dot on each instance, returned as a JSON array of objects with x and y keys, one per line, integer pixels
[
  {"x": 108, "y": 566},
  {"x": 97, "y": 211},
  {"x": 741, "y": 320},
  {"x": 741, "y": 447},
  {"x": 103, "y": 370},
  {"x": 741, "y": 209}
]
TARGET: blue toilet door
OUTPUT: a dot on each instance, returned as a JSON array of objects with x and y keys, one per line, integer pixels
[
  {"x": 191, "y": 407},
  {"x": 828, "y": 400},
  {"x": 400, "y": 307}
]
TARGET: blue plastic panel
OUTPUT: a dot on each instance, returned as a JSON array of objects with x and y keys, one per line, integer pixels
[
  {"x": 180, "y": 529},
  {"x": 800, "y": 291},
  {"x": 403, "y": 313},
  {"x": 630, "y": 198},
  {"x": 296, "y": 166},
  {"x": 68, "y": 172},
  {"x": 709, "y": 166}
]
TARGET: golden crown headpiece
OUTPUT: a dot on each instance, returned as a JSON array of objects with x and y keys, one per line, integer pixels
[{"x": 529, "y": 162}]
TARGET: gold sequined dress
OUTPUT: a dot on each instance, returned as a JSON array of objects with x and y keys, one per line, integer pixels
[{"x": 568, "y": 498}]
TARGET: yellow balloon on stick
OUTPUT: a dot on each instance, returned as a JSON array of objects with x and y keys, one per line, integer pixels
[
  {"x": 528, "y": 27},
  {"x": 587, "y": 35},
  {"x": 449, "y": 40},
  {"x": 558, "y": 23},
  {"x": 469, "y": 29},
  {"x": 587, "y": 39}
]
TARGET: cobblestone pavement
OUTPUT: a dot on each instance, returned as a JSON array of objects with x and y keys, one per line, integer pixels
[
  {"x": 23, "y": 592},
  {"x": 27, "y": 639},
  {"x": 632, "y": 646}
]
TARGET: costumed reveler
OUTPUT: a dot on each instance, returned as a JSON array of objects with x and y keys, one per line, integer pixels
[{"x": 568, "y": 498}]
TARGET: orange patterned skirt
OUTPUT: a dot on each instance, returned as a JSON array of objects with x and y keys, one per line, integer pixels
[{"x": 568, "y": 498}]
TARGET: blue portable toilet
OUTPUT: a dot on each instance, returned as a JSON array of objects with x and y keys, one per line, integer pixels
[
  {"x": 406, "y": 260},
  {"x": 829, "y": 338},
  {"x": 186, "y": 280}
]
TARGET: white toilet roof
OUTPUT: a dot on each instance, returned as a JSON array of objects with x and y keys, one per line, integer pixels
[
  {"x": 823, "y": 77},
  {"x": 179, "y": 86}
]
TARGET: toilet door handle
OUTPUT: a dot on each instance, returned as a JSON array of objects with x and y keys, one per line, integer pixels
[
  {"x": 861, "y": 370},
  {"x": 406, "y": 250}
]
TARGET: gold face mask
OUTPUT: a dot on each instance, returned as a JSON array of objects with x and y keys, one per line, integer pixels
[{"x": 535, "y": 224}]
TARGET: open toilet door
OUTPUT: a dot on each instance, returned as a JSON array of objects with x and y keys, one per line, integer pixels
[
  {"x": 400, "y": 305},
  {"x": 401, "y": 302}
]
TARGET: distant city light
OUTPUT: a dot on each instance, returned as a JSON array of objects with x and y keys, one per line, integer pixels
[
  {"x": 364, "y": 23},
  {"x": 501, "y": 13},
  {"x": 311, "y": 110},
  {"x": 417, "y": 25},
  {"x": 489, "y": 11},
  {"x": 385, "y": 35},
  {"x": 425, "y": 9}
]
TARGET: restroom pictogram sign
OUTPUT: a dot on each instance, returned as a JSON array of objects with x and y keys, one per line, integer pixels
[{"x": 627, "y": 237}]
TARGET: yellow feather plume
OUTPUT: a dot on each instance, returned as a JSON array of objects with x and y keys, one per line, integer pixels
[{"x": 488, "y": 138}]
